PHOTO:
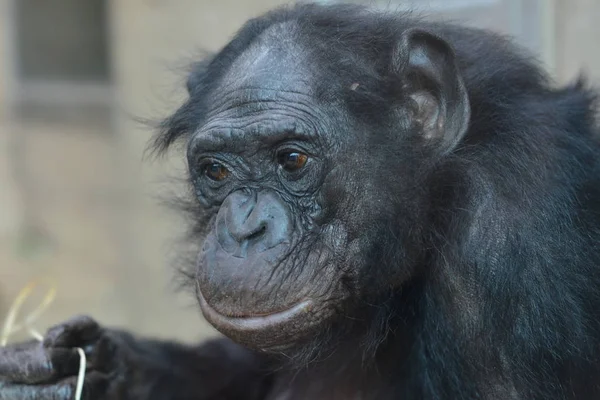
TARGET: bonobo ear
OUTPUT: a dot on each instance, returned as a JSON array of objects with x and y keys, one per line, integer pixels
[{"x": 427, "y": 67}]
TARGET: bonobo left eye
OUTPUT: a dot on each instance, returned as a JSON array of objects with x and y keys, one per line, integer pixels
[
  {"x": 292, "y": 160},
  {"x": 216, "y": 171}
]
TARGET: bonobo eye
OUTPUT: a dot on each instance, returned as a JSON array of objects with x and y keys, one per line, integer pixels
[
  {"x": 292, "y": 160},
  {"x": 216, "y": 171}
]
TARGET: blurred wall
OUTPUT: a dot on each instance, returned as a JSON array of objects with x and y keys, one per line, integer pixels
[
  {"x": 77, "y": 200},
  {"x": 578, "y": 39},
  {"x": 3, "y": 54}
]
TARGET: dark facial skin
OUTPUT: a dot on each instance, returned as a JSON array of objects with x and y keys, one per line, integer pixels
[
  {"x": 266, "y": 270},
  {"x": 287, "y": 244}
]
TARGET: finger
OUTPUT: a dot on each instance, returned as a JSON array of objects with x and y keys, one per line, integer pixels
[
  {"x": 76, "y": 332},
  {"x": 103, "y": 357},
  {"x": 95, "y": 387},
  {"x": 32, "y": 363}
]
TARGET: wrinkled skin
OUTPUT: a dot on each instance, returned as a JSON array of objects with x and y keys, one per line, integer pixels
[{"x": 386, "y": 208}]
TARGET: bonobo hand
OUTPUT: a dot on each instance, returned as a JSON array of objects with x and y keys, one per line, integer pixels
[
  {"x": 122, "y": 367},
  {"x": 48, "y": 369}
]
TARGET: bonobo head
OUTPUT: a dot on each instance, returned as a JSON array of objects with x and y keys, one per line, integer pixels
[{"x": 310, "y": 136}]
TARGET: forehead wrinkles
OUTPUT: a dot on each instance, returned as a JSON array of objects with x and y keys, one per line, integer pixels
[{"x": 245, "y": 106}]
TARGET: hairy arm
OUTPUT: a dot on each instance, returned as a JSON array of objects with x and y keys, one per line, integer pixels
[{"x": 120, "y": 366}]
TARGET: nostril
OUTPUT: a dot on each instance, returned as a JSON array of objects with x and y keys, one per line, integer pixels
[
  {"x": 247, "y": 240},
  {"x": 257, "y": 233},
  {"x": 247, "y": 235}
]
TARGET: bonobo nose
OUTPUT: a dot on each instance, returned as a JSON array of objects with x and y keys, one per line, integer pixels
[{"x": 253, "y": 222}]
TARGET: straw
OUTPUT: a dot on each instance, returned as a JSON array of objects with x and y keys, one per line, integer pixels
[{"x": 10, "y": 327}]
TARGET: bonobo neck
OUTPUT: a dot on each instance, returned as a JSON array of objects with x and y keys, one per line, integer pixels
[
  {"x": 349, "y": 374},
  {"x": 364, "y": 354}
]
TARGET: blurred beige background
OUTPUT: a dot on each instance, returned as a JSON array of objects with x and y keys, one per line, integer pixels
[{"x": 77, "y": 201}]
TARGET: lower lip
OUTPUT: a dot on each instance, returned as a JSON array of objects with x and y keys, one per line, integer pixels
[{"x": 254, "y": 323}]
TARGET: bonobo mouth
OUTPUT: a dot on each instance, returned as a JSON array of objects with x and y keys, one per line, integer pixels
[{"x": 243, "y": 328}]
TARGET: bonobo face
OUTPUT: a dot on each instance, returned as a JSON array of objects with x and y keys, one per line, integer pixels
[
  {"x": 271, "y": 270},
  {"x": 304, "y": 189}
]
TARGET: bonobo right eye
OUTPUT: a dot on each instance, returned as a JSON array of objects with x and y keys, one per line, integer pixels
[
  {"x": 216, "y": 171},
  {"x": 292, "y": 160}
]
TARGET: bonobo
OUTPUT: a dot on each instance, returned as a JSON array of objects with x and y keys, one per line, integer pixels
[{"x": 385, "y": 208}]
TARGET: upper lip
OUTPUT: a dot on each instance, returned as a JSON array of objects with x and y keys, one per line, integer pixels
[{"x": 253, "y": 322}]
